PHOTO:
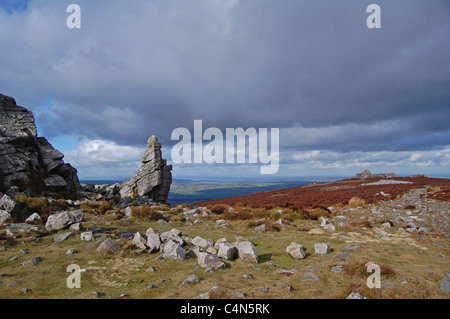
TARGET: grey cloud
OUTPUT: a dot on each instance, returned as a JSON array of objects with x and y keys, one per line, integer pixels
[{"x": 146, "y": 67}]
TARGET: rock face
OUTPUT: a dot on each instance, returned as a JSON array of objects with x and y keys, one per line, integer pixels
[
  {"x": 29, "y": 161},
  {"x": 367, "y": 174},
  {"x": 153, "y": 177}
]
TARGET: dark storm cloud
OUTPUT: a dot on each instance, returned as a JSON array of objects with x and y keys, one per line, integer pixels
[{"x": 310, "y": 67}]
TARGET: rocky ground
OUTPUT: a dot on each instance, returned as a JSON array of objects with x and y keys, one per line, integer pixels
[{"x": 144, "y": 250}]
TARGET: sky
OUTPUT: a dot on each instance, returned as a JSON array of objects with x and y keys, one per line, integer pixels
[{"x": 345, "y": 97}]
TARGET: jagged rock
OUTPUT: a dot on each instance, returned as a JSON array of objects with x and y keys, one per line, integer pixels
[
  {"x": 355, "y": 295},
  {"x": 367, "y": 174},
  {"x": 29, "y": 161},
  {"x": 207, "y": 260},
  {"x": 173, "y": 250},
  {"x": 61, "y": 220},
  {"x": 4, "y": 217},
  {"x": 139, "y": 241},
  {"x": 296, "y": 251},
  {"x": 153, "y": 242},
  {"x": 34, "y": 219},
  {"x": 108, "y": 246},
  {"x": 227, "y": 251},
  {"x": 247, "y": 251},
  {"x": 153, "y": 177},
  {"x": 202, "y": 243},
  {"x": 10, "y": 206},
  {"x": 192, "y": 279}
]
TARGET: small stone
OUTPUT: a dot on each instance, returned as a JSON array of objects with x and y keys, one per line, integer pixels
[
  {"x": 287, "y": 272},
  {"x": 355, "y": 295},
  {"x": 239, "y": 294},
  {"x": 15, "y": 283},
  {"x": 192, "y": 279},
  {"x": 62, "y": 237},
  {"x": 150, "y": 269},
  {"x": 26, "y": 251},
  {"x": 24, "y": 291},
  {"x": 71, "y": 252},
  {"x": 264, "y": 289},
  {"x": 87, "y": 236},
  {"x": 15, "y": 258},
  {"x": 310, "y": 276},
  {"x": 336, "y": 269},
  {"x": 330, "y": 228},
  {"x": 248, "y": 276}
]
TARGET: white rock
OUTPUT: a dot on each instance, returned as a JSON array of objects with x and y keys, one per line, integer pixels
[
  {"x": 87, "y": 236},
  {"x": 202, "y": 243},
  {"x": 296, "y": 251},
  {"x": 321, "y": 248},
  {"x": 247, "y": 251},
  {"x": 227, "y": 251},
  {"x": 207, "y": 260}
]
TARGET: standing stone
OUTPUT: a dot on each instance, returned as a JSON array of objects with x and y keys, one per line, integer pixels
[
  {"x": 247, "y": 251},
  {"x": 296, "y": 251},
  {"x": 153, "y": 177}
]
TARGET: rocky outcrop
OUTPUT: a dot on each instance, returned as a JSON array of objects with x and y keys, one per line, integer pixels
[
  {"x": 28, "y": 161},
  {"x": 153, "y": 177},
  {"x": 367, "y": 175}
]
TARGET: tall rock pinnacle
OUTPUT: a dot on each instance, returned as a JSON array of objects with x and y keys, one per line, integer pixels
[{"x": 153, "y": 177}]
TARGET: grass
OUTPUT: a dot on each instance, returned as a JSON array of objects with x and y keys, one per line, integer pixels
[{"x": 124, "y": 273}]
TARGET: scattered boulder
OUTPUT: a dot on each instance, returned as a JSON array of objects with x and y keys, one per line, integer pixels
[
  {"x": 10, "y": 206},
  {"x": 5, "y": 217},
  {"x": 108, "y": 246},
  {"x": 62, "y": 237},
  {"x": 139, "y": 241},
  {"x": 87, "y": 236},
  {"x": 34, "y": 219},
  {"x": 153, "y": 242},
  {"x": 247, "y": 251},
  {"x": 207, "y": 260},
  {"x": 227, "y": 251},
  {"x": 322, "y": 249},
  {"x": 202, "y": 243},
  {"x": 296, "y": 251},
  {"x": 61, "y": 220},
  {"x": 173, "y": 250},
  {"x": 192, "y": 279}
]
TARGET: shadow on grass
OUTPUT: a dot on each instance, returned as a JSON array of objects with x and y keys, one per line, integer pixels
[{"x": 264, "y": 258}]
